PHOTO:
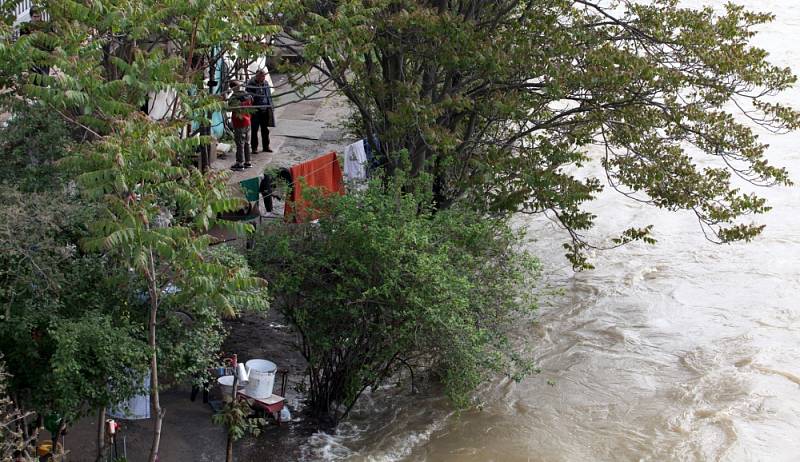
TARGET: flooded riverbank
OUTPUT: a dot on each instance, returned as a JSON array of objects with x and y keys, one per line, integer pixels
[{"x": 680, "y": 351}]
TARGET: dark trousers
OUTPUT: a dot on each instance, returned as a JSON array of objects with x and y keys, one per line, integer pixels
[
  {"x": 242, "y": 148},
  {"x": 259, "y": 119},
  {"x": 270, "y": 182}
]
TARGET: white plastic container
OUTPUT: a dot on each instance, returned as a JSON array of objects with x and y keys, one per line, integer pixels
[
  {"x": 261, "y": 378},
  {"x": 226, "y": 386}
]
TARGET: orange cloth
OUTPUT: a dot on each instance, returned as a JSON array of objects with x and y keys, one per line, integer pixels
[{"x": 323, "y": 172}]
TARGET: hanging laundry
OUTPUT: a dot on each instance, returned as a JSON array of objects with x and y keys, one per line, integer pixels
[
  {"x": 372, "y": 149},
  {"x": 323, "y": 172},
  {"x": 360, "y": 160},
  {"x": 355, "y": 165}
]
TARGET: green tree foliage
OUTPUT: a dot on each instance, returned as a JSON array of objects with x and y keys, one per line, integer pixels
[
  {"x": 236, "y": 417},
  {"x": 108, "y": 56},
  {"x": 155, "y": 220},
  {"x": 68, "y": 333},
  {"x": 154, "y": 209},
  {"x": 30, "y": 144},
  {"x": 73, "y": 327},
  {"x": 499, "y": 100},
  {"x": 382, "y": 283},
  {"x": 191, "y": 330}
]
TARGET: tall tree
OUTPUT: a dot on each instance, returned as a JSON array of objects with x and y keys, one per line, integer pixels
[
  {"x": 69, "y": 337},
  {"x": 107, "y": 58},
  {"x": 383, "y": 285},
  {"x": 155, "y": 221},
  {"x": 499, "y": 100}
]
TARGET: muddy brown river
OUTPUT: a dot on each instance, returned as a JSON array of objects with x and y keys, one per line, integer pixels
[{"x": 681, "y": 351}]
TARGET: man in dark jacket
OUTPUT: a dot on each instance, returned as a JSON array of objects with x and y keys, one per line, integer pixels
[
  {"x": 263, "y": 116},
  {"x": 36, "y": 24}
]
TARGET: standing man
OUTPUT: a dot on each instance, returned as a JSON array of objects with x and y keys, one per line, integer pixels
[
  {"x": 36, "y": 24},
  {"x": 263, "y": 116},
  {"x": 241, "y": 121}
]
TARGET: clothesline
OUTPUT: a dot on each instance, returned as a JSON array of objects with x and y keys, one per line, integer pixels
[
  {"x": 330, "y": 180},
  {"x": 324, "y": 166}
]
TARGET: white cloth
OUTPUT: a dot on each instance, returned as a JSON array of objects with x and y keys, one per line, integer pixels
[
  {"x": 135, "y": 408},
  {"x": 355, "y": 165}
]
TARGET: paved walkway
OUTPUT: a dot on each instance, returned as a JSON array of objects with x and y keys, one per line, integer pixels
[{"x": 304, "y": 130}]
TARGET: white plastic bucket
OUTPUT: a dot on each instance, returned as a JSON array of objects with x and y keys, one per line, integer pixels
[
  {"x": 226, "y": 386},
  {"x": 262, "y": 378}
]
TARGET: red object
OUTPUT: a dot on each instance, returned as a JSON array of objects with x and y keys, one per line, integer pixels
[
  {"x": 323, "y": 172},
  {"x": 240, "y": 117},
  {"x": 113, "y": 426},
  {"x": 274, "y": 404}
]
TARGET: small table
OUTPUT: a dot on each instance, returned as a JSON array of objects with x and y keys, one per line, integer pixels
[{"x": 273, "y": 404}]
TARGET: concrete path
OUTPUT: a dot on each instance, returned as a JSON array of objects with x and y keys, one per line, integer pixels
[{"x": 304, "y": 130}]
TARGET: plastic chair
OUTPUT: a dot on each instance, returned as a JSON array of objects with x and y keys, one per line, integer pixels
[{"x": 251, "y": 194}]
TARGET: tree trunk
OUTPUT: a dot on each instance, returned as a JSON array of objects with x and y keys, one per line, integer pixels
[
  {"x": 229, "y": 445},
  {"x": 101, "y": 434},
  {"x": 158, "y": 413},
  {"x": 58, "y": 447}
]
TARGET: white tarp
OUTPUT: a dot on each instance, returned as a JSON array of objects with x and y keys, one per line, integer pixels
[{"x": 137, "y": 407}]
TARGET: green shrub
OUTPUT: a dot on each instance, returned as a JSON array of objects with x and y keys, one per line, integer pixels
[
  {"x": 382, "y": 283},
  {"x": 66, "y": 328},
  {"x": 30, "y": 144}
]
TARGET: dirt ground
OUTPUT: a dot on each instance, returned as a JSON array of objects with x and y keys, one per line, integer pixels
[{"x": 189, "y": 434}]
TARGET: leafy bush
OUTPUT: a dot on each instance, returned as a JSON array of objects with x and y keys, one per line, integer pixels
[
  {"x": 382, "y": 283},
  {"x": 73, "y": 324},
  {"x": 30, "y": 144},
  {"x": 191, "y": 328},
  {"x": 67, "y": 330}
]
